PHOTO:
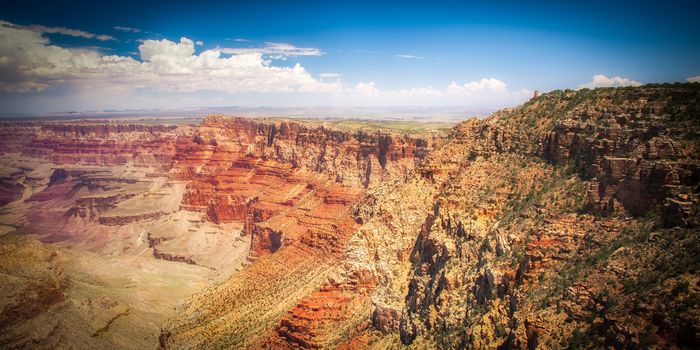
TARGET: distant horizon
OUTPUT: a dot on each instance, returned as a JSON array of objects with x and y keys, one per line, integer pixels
[{"x": 415, "y": 113}]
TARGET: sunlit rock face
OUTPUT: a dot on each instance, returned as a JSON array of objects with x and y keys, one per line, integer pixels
[
  {"x": 554, "y": 222},
  {"x": 287, "y": 174}
]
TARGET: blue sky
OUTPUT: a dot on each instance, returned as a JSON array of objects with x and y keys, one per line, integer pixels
[{"x": 72, "y": 56}]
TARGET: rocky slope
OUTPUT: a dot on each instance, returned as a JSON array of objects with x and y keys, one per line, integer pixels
[
  {"x": 63, "y": 298},
  {"x": 579, "y": 230}
]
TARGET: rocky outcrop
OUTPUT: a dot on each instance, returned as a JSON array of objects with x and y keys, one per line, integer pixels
[
  {"x": 127, "y": 219},
  {"x": 636, "y": 168},
  {"x": 430, "y": 254},
  {"x": 33, "y": 278},
  {"x": 171, "y": 257},
  {"x": 467, "y": 141},
  {"x": 386, "y": 319},
  {"x": 304, "y": 323},
  {"x": 10, "y": 191}
]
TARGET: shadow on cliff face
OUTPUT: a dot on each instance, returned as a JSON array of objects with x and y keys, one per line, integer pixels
[{"x": 275, "y": 241}]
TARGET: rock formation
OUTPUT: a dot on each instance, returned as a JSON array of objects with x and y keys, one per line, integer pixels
[{"x": 518, "y": 253}]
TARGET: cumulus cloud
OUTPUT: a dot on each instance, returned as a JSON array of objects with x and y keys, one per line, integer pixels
[
  {"x": 31, "y": 63},
  {"x": 274, "y": 50},
  {"x": 408, "y": 56},
  {"x": 366, "y": 88},
  {"x": 600, "y": 80},
  {"x": 694, "y": 79},
  {"x": 168, "y": 73},
  {"x": 330, "y": 75},
  {"x": 199, "y": 43},
  {"x": 127, "y": 29},
  {"x": 165, "y": 49},
  {"x": 484, "y": 92},
  {"x": 490, "y": 84}
]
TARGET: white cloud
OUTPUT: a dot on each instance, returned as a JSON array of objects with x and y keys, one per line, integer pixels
[
  {"x": 484, "y": 92},
  {"x": 408, "y": 56},
  {"x": 366, "y": 88},
  {"x": 241, "y": 40},
  {"x": 600, "y": 80},
  {"x": 274, "y": 50},
  {"x": 492, "y": 85},
  {"x": 694, "y": 79},
  {"x": 127, "y": 29},
  {"x": 155, "y": 49},
  {"x": 169, "y": 74},
  {"x": 199, "y": 43},
  {"x": 31, "y": 63},
  {"x": 330, "y": 75},
  {"x": 57, "y": 30}
]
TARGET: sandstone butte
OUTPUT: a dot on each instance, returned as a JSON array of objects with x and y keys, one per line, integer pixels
[{"x": 568, "y": 222}]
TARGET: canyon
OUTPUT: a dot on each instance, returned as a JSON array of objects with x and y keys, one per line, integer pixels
[{"x": 569, "y": 221}]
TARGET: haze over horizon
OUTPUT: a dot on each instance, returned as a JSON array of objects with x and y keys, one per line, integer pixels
[{"x": 66, "y": 56}]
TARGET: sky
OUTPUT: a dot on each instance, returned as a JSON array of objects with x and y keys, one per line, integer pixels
[{"x": 63, "y": 56}]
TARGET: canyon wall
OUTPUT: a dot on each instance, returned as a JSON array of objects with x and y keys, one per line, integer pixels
[
  {"x": 105, "y": 144},
  {"x": 250, "y": 171},
  {"x": 636, "y": 155},
  {"x": 556, "y": 234}
]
